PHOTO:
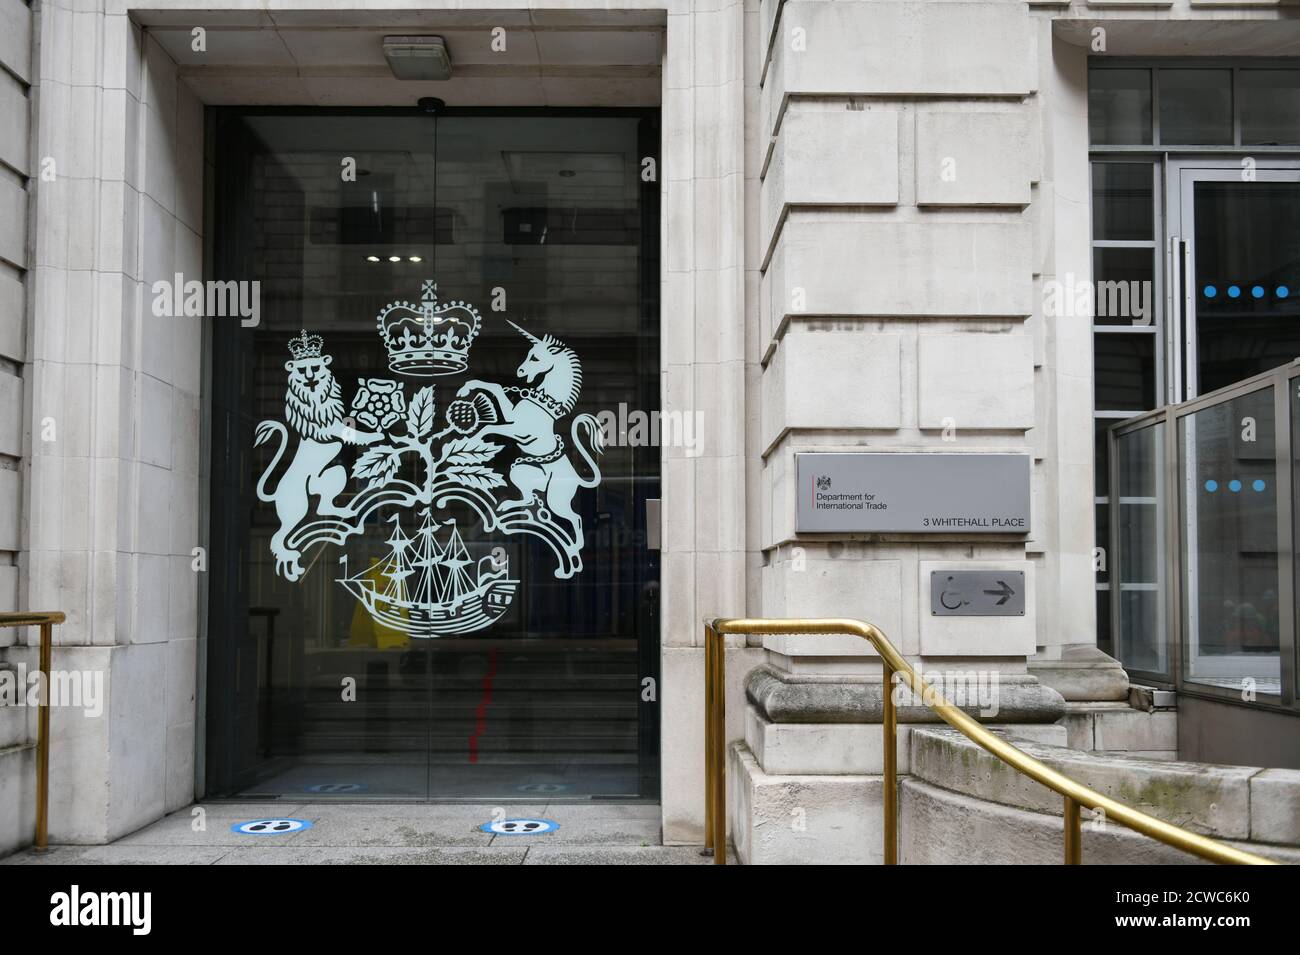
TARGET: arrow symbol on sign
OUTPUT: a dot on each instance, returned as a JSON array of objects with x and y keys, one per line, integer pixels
[{"x": 1006, "y": 592}]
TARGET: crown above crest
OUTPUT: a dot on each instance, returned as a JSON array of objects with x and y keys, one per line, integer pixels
[
  {"x": 426, "y": 339},
  {"x": 305, "y": 346}
]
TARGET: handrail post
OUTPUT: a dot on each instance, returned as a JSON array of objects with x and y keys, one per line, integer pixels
[
  {"x": 43, "y": 743},
  {"x": 719, "y": 789},
  {"x": 708, "y": 739},
  {"x": 1073, "y": 833},
  {"x": 889, "y": 724}
]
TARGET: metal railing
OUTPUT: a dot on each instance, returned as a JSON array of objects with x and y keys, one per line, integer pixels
[
  {"x": 1203, "y": 537},
  {"x": 46, "y": 621},
  {"x": 892, "y": 662}
]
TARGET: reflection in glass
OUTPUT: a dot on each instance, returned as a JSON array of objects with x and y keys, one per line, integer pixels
[
  {"x": 1293, "y": 386},
  {"x": 1196, "y": 107},
  {"x": 1119, "y": 107},
  {"x": 1101, "y": 455},
  {"x": 1247, "y": 260},
  {"x": 1125, "y": 286},
  {"x": 539, "y": 219},
  {"x": 1105, "y": 641},
  {"x": 1122, "y": 205},
  {"x": 1139, "y": 549},
  {"x": 1101, "y": 517},
  {"x": 1228, "y": 510},
  {"x": 1270, "y": 107},
  {"x": 1124, "y": 372}
]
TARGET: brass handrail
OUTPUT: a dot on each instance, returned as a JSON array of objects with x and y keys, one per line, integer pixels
[
  {"x": 892, "y": 662},
  {"x": 46, "y": 621}
]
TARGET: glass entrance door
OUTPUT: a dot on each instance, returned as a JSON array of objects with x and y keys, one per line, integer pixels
[
  {"x": 1235, "y": 261},
  {"x": 1236, "y": 229},
  {"x": 431, "y": 574}
]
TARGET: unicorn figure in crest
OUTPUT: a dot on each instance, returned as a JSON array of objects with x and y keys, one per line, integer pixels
[{"x": 542, "y": 473}]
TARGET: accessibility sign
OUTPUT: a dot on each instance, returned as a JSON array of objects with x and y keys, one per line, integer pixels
[{"x": 977, "y": 593}]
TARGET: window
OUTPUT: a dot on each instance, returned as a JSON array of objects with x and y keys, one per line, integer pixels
[
  {"x": 1140, "y": 113},
  {"x": 1192, "y": 104},
  {"x": 1127, "y": 370}
]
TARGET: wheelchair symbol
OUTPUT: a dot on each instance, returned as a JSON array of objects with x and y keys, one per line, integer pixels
[{"x": 952, "y": 599}]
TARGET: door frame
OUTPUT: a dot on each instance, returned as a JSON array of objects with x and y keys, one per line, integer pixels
[
  {"x": 1181, "y": 176},
  {"x": 212, "y": 769}
]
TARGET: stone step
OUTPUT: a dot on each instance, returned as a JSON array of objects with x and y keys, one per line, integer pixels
[{"x": 488, "y": 742}]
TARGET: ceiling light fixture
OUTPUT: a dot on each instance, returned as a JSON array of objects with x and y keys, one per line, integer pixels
[
  {"x": 372, "y": 258},
  {"x": 418, "y": 57},
  {"x": 394, "y": 258}
]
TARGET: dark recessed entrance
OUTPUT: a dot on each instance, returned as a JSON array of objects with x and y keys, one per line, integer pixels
[{"x": 442, "y": 587}]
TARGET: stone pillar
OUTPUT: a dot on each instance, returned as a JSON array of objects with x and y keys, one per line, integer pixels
[
  {"x": 704, "y": 372},
  {"x": 902, "y": 156},
  {"x": 17, "y": 756},
  {"x": 114, "y": 417}
]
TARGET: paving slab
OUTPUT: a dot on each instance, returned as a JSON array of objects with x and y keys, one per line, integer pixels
[
  {"x": 373, "y": 855},
  {"x": 619, "y": 855},
  {"x": 401, "y": 833},
  {"x": 118, "y": 854}
]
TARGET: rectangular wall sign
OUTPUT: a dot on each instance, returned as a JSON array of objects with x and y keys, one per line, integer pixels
[
  {"x": 874, "y": 491},
  {"x": 977, "y": 593}
]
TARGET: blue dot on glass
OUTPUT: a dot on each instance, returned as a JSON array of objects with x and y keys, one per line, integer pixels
[
  {"x": 1258, "y": 485},
  {"x": 1211, "y": 486},
  {"x": 1257, "y": 291},
  {"x": 1211, "y": 291},
  {"x": 1234, "y": 291},
  {"x": 1283, "y": 291},
  {"x": 1234, "y": 485}
]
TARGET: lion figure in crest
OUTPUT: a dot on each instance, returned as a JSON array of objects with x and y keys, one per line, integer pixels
[{"x": 313, "y": 406}]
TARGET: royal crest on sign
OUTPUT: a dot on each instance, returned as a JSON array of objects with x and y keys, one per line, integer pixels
[{"x": 499, "y": 450}]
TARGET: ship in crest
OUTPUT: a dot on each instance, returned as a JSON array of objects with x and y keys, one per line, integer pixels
[{"x": 427, "y": 587}]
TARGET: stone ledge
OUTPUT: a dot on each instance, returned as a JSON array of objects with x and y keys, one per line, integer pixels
[
  {"x": 1212, "y": 800},
  {"x": 939, "y": 826},
  {"x": 1275, "y": 806},
  {"x": 780, "y": 698},
  {"x": 1120, "y": 728},
  {"x": 1082, "y": 673},
  {"x": 835, "y": 749}
]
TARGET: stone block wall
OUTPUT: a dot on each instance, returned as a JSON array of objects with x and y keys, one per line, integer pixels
[
  {"x": 901, "y": 184},
  {"x": 112, "y": 424},
  {"x": 16, "y": 174}
]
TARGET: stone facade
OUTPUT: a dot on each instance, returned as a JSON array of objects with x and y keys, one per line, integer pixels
[
  {"x": 861, "y": 201},
  {"x": 16, "y": 172}
]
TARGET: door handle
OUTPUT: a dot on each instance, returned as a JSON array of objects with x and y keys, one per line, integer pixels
[{"x": 652, "y": 513}]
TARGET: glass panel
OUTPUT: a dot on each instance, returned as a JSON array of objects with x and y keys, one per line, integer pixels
[
  {"x": 1270, "y": 107},
  {"x": 1196, "y": 107},
  {"x": 1228, "y": 474},
  {"x": 497, "y": 649},
  {"x": 1101, "y": 456},
  {"x": 1123, "y": 203},
  {"x": 1124, "y": 372},
  {"x": 1105, "y": 643},
  {"x": 1119, "y": 107},
  {"x": 1293, "y": 386},
  {"x": 1140, "y": 550},
  {"x": 1247, "y": 261},
  {"x": 1125, "y": 290},
  {"x": 1101, "y": 518}
]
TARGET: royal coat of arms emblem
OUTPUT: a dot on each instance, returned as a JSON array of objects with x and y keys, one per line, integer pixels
[{"x": 498, "y": 450}]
